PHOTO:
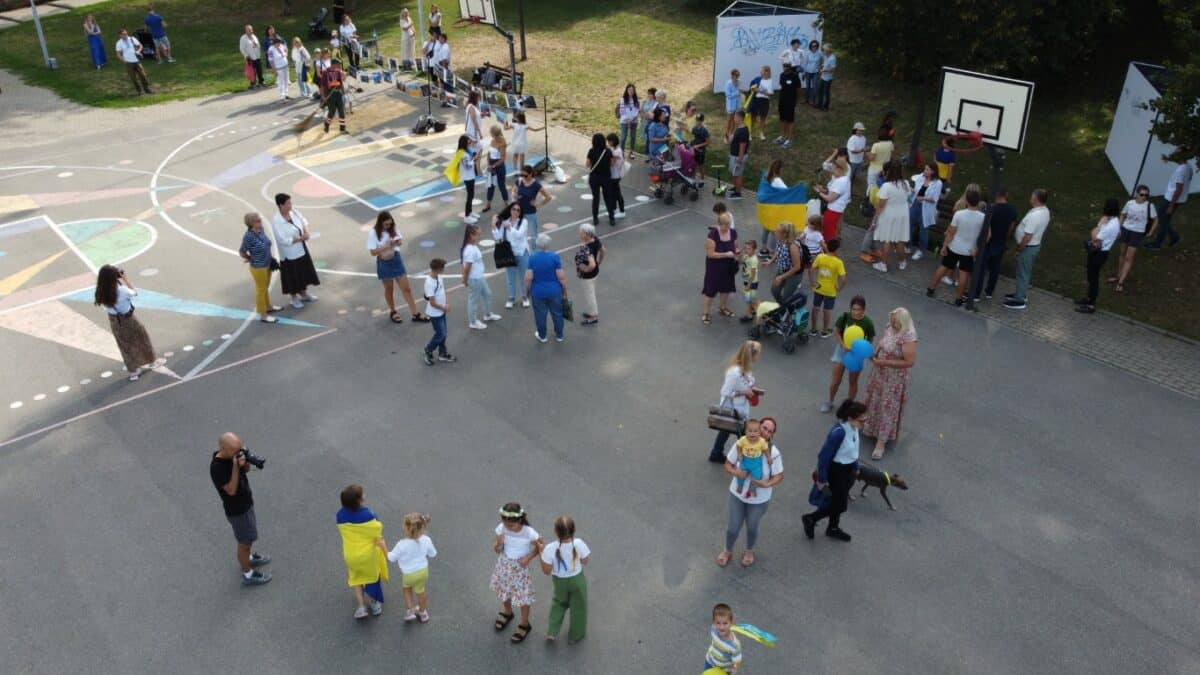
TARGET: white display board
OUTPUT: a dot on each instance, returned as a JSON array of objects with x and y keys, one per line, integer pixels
[
  {"x": 751, "y": 35},
  {"x": 485, "y": 10},
  {"x": 1135, "y": 153},
  {"x": 997, "y": 107}
]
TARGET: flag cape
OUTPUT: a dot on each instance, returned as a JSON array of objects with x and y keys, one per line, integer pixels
[
  {"x": 366, "y": 564},
  {"x": 453, "y": 172},
  {"x": 778, "y": 205},
  {"x": 746, "y": 108}
]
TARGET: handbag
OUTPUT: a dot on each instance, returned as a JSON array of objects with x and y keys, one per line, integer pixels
[
  {"x": 273, "y": 265},
  {"x": 725, "y": 418},
  {"x": 625, "y": 167},
  {"x": 249, "y": 71},
  {"x": 503, "y": 254},
  {"x": 818, "y": 497},
  {"x": 568, "y": 310}
]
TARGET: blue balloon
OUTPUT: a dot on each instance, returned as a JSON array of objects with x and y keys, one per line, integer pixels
[
  {"x": 852, "y": 362},
  {"x": 862, "y": 349}
]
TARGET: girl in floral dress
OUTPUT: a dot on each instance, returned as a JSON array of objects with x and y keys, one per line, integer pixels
[
  {"x": 516, "y": 544},
  {"x": 887, "y": 390}
]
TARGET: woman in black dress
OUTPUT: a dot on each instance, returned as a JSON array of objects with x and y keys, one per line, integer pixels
[
  {"x": 296, "y": 269},
  {"x": 720, "y": 268}
]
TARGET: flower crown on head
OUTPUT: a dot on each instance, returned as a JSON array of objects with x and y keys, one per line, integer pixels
[{"x": 512, "y": 514}]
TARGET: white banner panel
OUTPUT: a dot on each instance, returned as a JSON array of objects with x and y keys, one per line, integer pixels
[{"x": 750, "y": 42}]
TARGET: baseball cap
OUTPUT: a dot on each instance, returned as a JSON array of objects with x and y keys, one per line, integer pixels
[{"x": 859, "y": 126}]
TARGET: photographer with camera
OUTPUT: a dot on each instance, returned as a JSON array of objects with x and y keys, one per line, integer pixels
[
  {"x": 228, "y": 470},
  {"x": 115, "y": 293}
]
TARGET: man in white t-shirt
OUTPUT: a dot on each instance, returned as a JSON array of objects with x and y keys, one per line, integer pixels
[
  {"x": 793, "y": 56},
  {"x": 856, "y": 150},
  {"x": 1028, "y": 235},
  {"x": 130, "y": 51},
  {"x": 1175, "y": 195}
]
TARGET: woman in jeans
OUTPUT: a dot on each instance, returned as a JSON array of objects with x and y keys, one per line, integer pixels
[
  {"x": 628, "y": 112},
  {"x": 511, "y": 227},
  {"x": 256, "y": 250},
  {"x": 750, "y": 509},
  {"x": 497, "y": 170},
  {"x": 546, "y": 283},
  {"x": 736, "y": 392},
  {"x": 836, "y": 466}
]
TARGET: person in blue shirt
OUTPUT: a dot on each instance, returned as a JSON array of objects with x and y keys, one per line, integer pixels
[
  {"x": 546, "y": 283},
  {"x": 158, "y": 31},
  {"x": 733, "y": 100},
  {"x": 657, "y": 133}
]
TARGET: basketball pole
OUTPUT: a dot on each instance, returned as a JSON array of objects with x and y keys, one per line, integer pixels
[
  {"x": 977, "y": 269},
  {"x": 37, "y": 24},
  {"x": 521, "y": 26}
]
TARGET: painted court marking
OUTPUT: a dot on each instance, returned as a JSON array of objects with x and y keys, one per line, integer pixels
[{"x": 115, "y": 404}]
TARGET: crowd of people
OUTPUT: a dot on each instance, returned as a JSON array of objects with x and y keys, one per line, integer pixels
[{"x": 904, "y": 211}]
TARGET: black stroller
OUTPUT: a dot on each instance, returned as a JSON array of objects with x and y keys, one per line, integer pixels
[
  {"x": 316, "y": 27},
  {"x": 149, "y": 53}
]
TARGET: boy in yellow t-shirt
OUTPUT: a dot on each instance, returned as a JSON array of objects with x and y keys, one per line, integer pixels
[
  {"x": 751, "y": 449},
  {"x": 829, "y": 277}
]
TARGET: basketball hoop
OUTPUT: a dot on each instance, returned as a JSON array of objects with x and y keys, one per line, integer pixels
[
  {"x": 973, "y": 139},
  {"x": 468, "y": 21}
]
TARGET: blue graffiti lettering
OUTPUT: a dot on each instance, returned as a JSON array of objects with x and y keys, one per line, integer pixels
[{"x": 769, "y": 39}]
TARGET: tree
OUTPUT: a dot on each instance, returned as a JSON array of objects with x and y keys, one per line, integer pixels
[
  {"x": 1178, "y": 111},
  {"x": 912, "y": 42}
]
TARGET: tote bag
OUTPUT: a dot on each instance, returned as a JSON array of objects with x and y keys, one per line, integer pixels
[{"x": 503, "y": 254}]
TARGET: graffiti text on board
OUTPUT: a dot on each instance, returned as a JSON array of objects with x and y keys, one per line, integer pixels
[{"x": 769, "y": 39}]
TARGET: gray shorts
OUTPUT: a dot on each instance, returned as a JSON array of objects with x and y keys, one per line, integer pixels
[
  {"x": 245, "y": 527},
  {"x": 162, "y": 43},
  {"x": 736, "y": 167}
]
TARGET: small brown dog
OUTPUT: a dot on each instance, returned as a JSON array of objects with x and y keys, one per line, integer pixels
[{"x": 872, "y": 477}]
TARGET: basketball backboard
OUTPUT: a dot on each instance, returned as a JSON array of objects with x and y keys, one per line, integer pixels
[
  {"x": 477, "y": 11},
  {"x": 996, "y": 107}
]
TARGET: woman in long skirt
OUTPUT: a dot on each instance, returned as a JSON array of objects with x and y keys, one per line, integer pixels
[
  {"x": 115, "y": 294},
  {"x": 96, "y": 43},
  {"x": 296, "y": 269}
]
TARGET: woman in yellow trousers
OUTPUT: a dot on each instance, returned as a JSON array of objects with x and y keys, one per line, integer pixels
[{"x": 256, "y": 250}]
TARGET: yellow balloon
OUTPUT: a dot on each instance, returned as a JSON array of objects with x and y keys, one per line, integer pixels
[
  {"x": 851, "y": 334},
  {"x": 714, "y": 671}
]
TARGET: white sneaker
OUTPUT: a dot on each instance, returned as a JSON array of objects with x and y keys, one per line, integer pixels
[
  {"x": 309, "y": 297},
  {"x": 376, "y": 608},
  {"x": 918, "y": 255},
  {"x": 539, "y": 338},
  {"x": 508, "y": 304},
  {"x": 477, "y": 325},
  {"x": 880, "y": 267},
  {"x": 948, "y": 281},
  {"x": 903, "y": 265},
  {"x": 619, "y": 215},
  {"x": 410, "y": 615},
  {"x": 471, "y": 219},
  {"x": 297, "y": 304},
  {"x": 492, "y": 317},
  {"x": 524, "y": 302}
]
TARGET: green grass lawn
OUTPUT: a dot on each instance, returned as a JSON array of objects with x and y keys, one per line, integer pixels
[{"x": 581, "y": 54}]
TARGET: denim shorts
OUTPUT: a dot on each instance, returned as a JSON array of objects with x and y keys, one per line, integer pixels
[{"x": 823, "y": 301}]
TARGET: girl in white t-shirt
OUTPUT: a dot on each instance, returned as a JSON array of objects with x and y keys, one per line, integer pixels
[
  {"x": 479, "y": 295},
  {"x": 516, "y": 545},
  {"x": 412, "y": 554},
  {"x": 563, "y": 560}
]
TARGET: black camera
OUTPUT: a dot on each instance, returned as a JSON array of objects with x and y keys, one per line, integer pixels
[{"x": 252, "y": 458}]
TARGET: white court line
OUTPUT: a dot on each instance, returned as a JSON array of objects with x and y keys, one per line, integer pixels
[
  {"x": 333, "y": 185},
  {"x": 25, "y": 220},
  {"x": 217, "y": 352},
  {"x": 49, "y": 299},
  {"x": 176, "y": 383},
  {"x": 163, "y": 212},
  {"x": 71, "y": 245},
  {"x": 26, "y": 173}
]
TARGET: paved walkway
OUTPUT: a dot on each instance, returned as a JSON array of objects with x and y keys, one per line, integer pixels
[{"x": 1152, "y": 354}]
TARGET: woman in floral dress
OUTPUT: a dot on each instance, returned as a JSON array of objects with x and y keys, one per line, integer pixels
[{"x": 887, "y": 390}]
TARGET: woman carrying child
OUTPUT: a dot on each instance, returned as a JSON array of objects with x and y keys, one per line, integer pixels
[
  {"x": 516, "y": 545},
  {"x": 748, "y": 506},
  {"x": 412, "y": 554},
  {"x": 563, "y": 560}
]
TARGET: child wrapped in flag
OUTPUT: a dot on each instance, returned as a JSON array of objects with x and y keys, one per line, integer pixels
[{"x": 364, "y": 551}]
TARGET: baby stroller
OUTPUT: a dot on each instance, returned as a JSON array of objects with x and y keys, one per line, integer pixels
[
  {"x": 789, "y": 320},
  {"x": 147, "y": 40},
  {"x": 666, "y": 172}
]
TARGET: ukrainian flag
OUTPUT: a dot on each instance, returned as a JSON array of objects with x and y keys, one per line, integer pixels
[
  {"x": 366, "y": 563},
  {"x": 778, "y": 205}
]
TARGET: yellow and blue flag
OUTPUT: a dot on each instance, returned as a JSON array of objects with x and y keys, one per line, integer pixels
[
  {"x": 779, "y": 205},
  {"x": 366, "y": 563},
  {"x": 453, "y": 172}
]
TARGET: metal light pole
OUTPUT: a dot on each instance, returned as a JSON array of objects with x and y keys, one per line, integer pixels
[
  {"x": 521, "y": 25},
  {"x": 37, "y": 24}
]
